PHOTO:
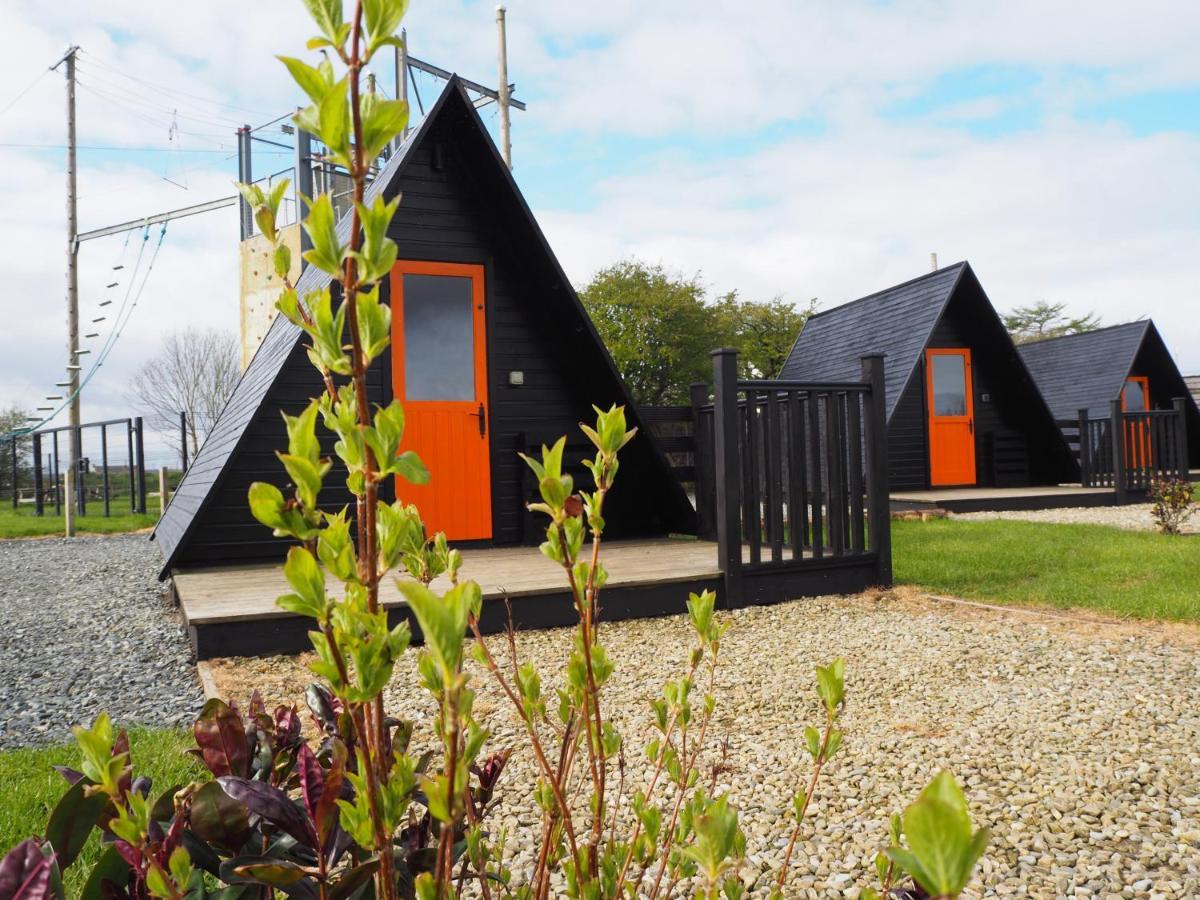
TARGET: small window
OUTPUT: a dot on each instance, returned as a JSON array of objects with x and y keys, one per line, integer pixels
[
  {"x": 949, "y": 385},
  {"x": 1135, "y": 398},
  {"x": 439, "y": 338}
]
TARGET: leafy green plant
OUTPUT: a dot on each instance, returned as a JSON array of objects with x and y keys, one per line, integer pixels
[{"x": 1172, "y": 504}]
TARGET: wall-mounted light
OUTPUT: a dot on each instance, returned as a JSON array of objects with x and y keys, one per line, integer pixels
[{"x": 516, "y": 378}]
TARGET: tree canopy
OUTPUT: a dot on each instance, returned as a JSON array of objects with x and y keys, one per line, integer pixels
[
  {"x": 660, "y": 327},
  {"x": 1041, "y": 320}
]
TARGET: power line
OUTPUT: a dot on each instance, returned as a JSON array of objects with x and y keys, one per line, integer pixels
[
  {"x": 171, "y": 91},
  {"x": 226, "y": 151},
  {"x": 155, "y": 103},
  {"x": 29, "y": 87}
]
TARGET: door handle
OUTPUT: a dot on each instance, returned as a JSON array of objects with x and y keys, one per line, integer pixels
[{"x": 482, "y": 415}]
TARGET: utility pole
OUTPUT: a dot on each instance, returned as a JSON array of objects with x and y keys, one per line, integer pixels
[
  {"x": 402, "y": 78},
  {"x": 74, "y": 451},
  {"x": 505, "y": 139}
]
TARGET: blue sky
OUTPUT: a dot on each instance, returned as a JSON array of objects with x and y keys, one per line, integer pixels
[{"x": 779, "y": 148}]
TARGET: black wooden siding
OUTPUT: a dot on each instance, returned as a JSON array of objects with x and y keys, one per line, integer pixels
[{"x": 454, "y": 209}]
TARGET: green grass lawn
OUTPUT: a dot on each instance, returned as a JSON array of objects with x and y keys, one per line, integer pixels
[
  {"x": 21, "y": 522},
  {"x": 32, "y": 787},
  {"x": 1123, "y": 573}
]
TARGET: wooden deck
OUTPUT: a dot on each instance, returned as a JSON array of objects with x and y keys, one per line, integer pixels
[
  {"x": 231, "y": 611},
  {"x": 980, "y": 499}
]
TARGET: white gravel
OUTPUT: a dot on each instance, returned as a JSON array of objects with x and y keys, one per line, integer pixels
[
  {"x": 1078, "y": 741},
  {"x": 1135, "y": 517},
  {"x": 85, "y": 629}
]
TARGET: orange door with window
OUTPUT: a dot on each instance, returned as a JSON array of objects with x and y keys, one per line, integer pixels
[
  {"x": 439, "y": 373},
  {"x": 1135, "y": 397},
  {"x": 951, "y": 417}
]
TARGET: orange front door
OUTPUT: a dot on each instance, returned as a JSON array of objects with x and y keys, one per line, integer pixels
[
  {"x": 951, "y": 417},
  {"x": 439, "y": 373},
  {"x": 1135, "y": 398}
]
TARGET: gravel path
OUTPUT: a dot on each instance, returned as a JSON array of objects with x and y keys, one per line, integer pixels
[
  {"x": 85, "y": 629},
  {"x": 1135, "y": 517},
  {"x": 1078, "y": 741}
]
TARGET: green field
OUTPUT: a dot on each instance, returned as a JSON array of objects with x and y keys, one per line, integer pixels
[
  {"x": 21, "y": 522},
  {"x": 1123, "y": 573},
  {"x": 32, "y": 787}
]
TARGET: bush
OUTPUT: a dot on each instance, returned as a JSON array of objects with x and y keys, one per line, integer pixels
[{"x": 1172, "y": 503}]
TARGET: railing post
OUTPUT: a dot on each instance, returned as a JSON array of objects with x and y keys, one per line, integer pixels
[
  {"x": 1085, "y": 450},
  {"x": 38, "y": 504},
  {"x": 164, "y": 490},
  {"x": 1118, "y": 449},
  {"x": 80, "y": 482},
  {"x": 183, "y": 436},
  {"x": 140, "y": 439},
  {"x": 14, "y": 470},
  {"x": 702, "y": 465},
  {"x": 879, "y": 519},
  {"x": 1179, "y": 404},
  {"x": 727, "y": 466}
]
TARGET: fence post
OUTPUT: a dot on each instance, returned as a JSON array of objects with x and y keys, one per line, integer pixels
[
  {"x": 1179, "y": 404},
  {"x": 1085, "y": 450},
  {"x": 38, "y": 507},
  {"x": 14, "y": 470},
  {"x": 702, "y": 464},
  {"x": 80, "y": 485},
  {"x": 164, "y": 493},
  {"x": 1118, "y": 449},
  {"x": 104, "y": 466},
  {"x": 132, "y": 465},
  {"x": 140, "y": 439},
  {"x": 879, "y": 522},
  {"x": 728, "y": 469},
  {"x": 183, "y": 436}
]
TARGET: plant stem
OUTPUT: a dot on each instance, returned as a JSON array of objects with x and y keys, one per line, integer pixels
[{"x": 812, "y": 786}]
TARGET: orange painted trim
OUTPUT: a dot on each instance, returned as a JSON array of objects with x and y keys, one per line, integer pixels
[
  {"x": 968, "y": 375},
  {"x": 1144, "y": 381},
  {"x": 461, "y": 270},
  {"x": 935, "y": 479}
]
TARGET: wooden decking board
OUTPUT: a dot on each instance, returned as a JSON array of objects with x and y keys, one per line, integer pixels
[
  {"x": 995, "y": 493},
  {"x": 247, "y": 592}
]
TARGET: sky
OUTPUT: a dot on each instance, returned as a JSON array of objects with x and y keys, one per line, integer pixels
[{"x": 779, "y": 148}]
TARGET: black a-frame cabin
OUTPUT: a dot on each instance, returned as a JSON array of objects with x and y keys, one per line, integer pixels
[
  {"x": 962, "y": 409},
  {"x": 1127, "y": 363},
  {"x": 492, "y": 354}
]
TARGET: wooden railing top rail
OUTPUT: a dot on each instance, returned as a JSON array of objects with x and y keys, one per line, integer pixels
[{"x": 822, "y": 387}]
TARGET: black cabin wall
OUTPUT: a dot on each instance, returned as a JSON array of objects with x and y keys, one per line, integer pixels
[
  {"x": 1154, "y": 362},
  {"x": 447, "y": 215},
  {"x": 1011, "y": 448}
]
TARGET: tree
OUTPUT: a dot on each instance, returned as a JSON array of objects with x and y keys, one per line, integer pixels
[
  {"x": 660, "y": 328},
  {"x": 657, "y": 327},
  {"x": 194, "y": 373},
  {"x": 13, "y": 421},
  {"x": 1041, "y": 320},
  {"x": 763, "y": 333}
]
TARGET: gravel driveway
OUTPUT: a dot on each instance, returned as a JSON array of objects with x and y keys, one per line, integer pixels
[
  {"x": 85, "y": 629},
  {"x": 1135, "y": 517},
  {"x": 1078, "y": 741}
]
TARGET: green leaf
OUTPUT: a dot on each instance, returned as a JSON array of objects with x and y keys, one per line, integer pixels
[
  {"x": 333, "y": 114},
  {"x": 72, "y": 820},
  {"x": 812, "y": 739},
  {"x": 374, "y": 323},
  {"x": 283, "y": 263},
  {"x": 328, "y": 16},
  {"x": 942, "y": 851},
  {"x": 382, "y": 121},
  {"x": 112, "y": 868},
  {"x": 312, "y": 80},
  {"x": 308, "y": 582},
  {"x": 443, "y": 621},
  {"x": 831, "y": 684},
  {"x": 321, "y": 224},
  {"x": 382, "y": 18}
]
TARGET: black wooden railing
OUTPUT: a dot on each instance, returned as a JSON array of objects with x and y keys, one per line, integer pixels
[
  {"x": 800, "y": 477},
  {"x": 1127, "y": 451}
]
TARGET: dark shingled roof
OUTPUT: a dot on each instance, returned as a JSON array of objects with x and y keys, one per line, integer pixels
[
  {"x": 896, "y": 322},
  {"x": 1087, "y": 370}
]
